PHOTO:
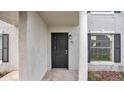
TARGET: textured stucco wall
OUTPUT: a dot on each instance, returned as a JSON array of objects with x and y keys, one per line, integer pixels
[
  {"x": 23, "y": 63},
  {"x": 37, "y": 46},
  {"x": 13, "y": 47},
  {"x": 108, "y": 23},
  {"x": 33, "y": 46}
]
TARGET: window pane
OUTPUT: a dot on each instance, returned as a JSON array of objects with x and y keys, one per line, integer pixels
[
  {"x": 5, "y": 47},
  {"x": 5, "y": 44},
  {"x": 106, "y": 43},
  {"x": 101, "y": 37},
  {"x": 102, "y": 54},
  {"x": 5, "y": 55},
  {"x": 101, "y": 47}
]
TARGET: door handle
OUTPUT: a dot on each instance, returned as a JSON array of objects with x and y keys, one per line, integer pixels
[{"x": 66, "y": 51}]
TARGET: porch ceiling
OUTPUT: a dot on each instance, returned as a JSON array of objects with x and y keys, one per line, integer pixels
[
  {"x": 60, "y": 18},
  {"x": 10, "y": 17},
  {"x": 52, "y": 18}
]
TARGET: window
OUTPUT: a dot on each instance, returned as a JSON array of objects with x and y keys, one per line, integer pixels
[
  {"x": 101, "y": 47},
  {"x": 101, "y": 12},
  {"x": 4, "y": 47}
]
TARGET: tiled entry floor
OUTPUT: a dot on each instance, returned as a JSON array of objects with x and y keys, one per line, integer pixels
[{"x": 61, "y": 75}]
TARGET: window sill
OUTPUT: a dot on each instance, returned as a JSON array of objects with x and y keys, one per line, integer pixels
[
  {"x": 101, "y": 12},
  {"x": 101, "y": 63}
]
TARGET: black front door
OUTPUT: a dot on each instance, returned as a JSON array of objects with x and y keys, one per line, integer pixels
[{"x": 59, "y": 50}]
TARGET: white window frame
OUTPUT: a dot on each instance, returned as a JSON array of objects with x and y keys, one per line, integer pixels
[
  {"x": 101, "y": 12},
  {"x": 104, "y": 62}
]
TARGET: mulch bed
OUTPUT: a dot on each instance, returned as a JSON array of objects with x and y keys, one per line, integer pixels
[{"x": 105, "y": 76}]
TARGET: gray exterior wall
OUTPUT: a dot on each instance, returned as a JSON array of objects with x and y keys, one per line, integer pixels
[
  {"x": 13, "y": 47},
  {"x": 32, "y": 46},
  {"x": 111, "y": 22},
  {"x": 35, "y": 46}
]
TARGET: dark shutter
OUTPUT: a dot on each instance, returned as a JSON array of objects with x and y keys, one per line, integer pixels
[
  {"x": 5, "y": 47},
  {"x": 117, "y": 11},
  {"x": 89, "y": 38},
  {"x": 117, "y": 48}
]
